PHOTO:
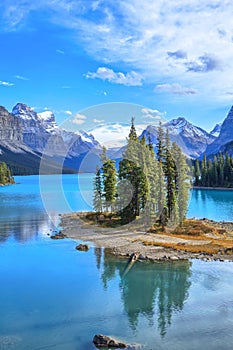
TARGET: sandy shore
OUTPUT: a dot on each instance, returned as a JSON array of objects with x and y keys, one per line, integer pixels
[{"x": 124, "y": 242}]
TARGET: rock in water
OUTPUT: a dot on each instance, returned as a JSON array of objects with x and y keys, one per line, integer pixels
[
  {"x": 59, "y": 235},
  {"x": 101, "y": 341},
  {"x": 82, "y": 247}
]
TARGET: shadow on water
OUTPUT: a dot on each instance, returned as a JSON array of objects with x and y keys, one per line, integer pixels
[{"x": 154, "y": 290}]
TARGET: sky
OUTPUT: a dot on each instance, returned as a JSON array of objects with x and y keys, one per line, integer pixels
[{"x": 172, "y": 58}]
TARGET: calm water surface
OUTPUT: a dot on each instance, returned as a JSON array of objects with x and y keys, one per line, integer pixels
[{"x": 53, "y": 297}]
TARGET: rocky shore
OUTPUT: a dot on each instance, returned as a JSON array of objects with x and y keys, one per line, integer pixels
[{"x": 125, "y": 242}]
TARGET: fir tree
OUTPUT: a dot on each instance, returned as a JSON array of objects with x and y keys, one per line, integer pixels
[
  {"x": 109, "y": 184},
  {"x": 98, "y": 195},
  {"x": 170, "y": 173},
  {"x": 182, "y": 182}
]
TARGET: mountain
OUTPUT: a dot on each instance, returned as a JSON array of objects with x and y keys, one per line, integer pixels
[
  {"x": 42, "y": 134},
  {"x": 216, "y": 130},
  {"x": 191, "y": 139},
  {"x": 225, "y": 135},
  {"x": 21, "y": 158},
  {"x": 26, "y": 136}
]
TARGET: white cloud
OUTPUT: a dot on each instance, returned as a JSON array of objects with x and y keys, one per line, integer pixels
[
  {"x": 20, "y": 77},
  {"x": 97, "y": 120},
  {"x": 183, "y": 40},
  {"x": 176, "y": 89},
  {"x": 6, "y": 83},
  {"x": 79, "y": 119},
  {"x": 129, "y": 79},
  {"x": 153, "y": 114},
  {"x": 68, "y": 112},
  {"x": 66, "y": 87}
]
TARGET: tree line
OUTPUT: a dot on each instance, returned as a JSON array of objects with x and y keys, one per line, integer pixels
[
  {"x": 216, "y": 172},
  {"x": 5, "y": 174},
  {"x": 147, "y": 185}
]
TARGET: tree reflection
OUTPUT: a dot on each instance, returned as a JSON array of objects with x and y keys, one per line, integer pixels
[
  {"x": 23, "y": 229},
  {"x": 154, "y": 290}
]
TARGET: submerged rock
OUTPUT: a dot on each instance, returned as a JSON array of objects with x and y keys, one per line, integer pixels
[
  {"x": 103, "y": 341},
  {"x": 82, "y": 247}
]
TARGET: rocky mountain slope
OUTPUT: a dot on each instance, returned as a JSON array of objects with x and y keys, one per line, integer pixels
[
  {"x": 26, "y": 136},
  {"x": 225, "y": 135},
  {"x": 191, "y": 139}
]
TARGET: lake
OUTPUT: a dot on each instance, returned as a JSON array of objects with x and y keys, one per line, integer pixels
[{"x": 54, "y": 297}]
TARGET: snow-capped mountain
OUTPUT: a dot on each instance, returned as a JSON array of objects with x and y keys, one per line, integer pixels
[
  {"x": 191, "y": 139},
  {"x": 216, "y": 130},
  {"x": 42, "y": 134},
  {"x": 225, "y": 136}
]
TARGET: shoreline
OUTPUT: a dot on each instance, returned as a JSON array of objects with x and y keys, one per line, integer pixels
[
  {"x": 212, "y": 188},
  {"x": 125, "y": 241}
]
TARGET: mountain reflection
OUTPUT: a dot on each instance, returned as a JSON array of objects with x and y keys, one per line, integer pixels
[
  {"x": 23, "y": 228},
  {"x": 153, "y": 290}
]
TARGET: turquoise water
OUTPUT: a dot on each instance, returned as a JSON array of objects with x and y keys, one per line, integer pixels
[
  {"x": 212, "y": 204},
  {"x": 54, "y": 297}
]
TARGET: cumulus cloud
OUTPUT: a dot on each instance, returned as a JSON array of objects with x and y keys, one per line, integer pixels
[
  {"x": 5, "y": 83},
  {"x": 204, "y": 64},
  {"x": 179, "y": 54},
  {"x": 176, "y": 89},
  {"x": 153, "y": 114},
  {"x": 79, "y": 119},
  {"x": 143, "y": 35},
  {"x": 129, "y": 79}
]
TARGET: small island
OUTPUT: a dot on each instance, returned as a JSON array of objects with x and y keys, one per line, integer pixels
[
  {"x": 5, "y": 175},
  {"x": 140, "y": 207}
]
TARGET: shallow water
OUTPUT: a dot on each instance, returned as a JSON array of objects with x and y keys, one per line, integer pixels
[{"x": 54, "y": 297}]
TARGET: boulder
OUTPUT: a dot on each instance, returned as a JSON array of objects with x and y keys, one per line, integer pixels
[
  {"x": 82, "y": 247},
  {"x": 103, "y": 341},
  {"x": 59, "y": 235}
]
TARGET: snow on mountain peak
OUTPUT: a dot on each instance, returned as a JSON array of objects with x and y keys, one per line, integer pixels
[
  {"x": 24, "y": 112},
  {"x": 216, "y": 130},
  {"x": 46, "y": 116}
]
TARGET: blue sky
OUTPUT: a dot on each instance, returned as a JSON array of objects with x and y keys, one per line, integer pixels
[{"x": 173, "y": 57}]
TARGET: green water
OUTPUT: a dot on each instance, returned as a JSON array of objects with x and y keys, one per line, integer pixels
[{"x": 54, "y": 297}]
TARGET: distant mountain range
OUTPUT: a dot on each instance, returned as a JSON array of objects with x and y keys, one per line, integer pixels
[{"x": 26, "y": 135}]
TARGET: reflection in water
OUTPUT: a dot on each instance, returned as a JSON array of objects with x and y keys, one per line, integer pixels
[
  {"x": 98, "y": 255},
  {"x": 23, "y": 229},
  {"x": 153, "y": 290}
]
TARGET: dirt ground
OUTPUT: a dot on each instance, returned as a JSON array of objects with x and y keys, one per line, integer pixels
[{"x": 124, "y": 241}]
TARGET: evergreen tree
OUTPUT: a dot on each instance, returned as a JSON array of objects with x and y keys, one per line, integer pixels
[
  {"x": 197, "y": 173},
  {"x": 109, "y": 184},
  {"x": 170, "y": 173},
  {"x": 182, "y": 182},
  {"x": 98, "y": 195},
  {"x": 162, "y": 207},
  {"x": 5, "y": 174}
]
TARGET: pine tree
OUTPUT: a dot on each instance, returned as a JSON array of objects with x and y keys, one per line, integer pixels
[
  {"x": 162, "y": 207},
  {"x": 182, "y": 182},
  {"x": 160, "y": 144},
  {"x": 197, "y": 173},
  {"x": 109, "y": 184},
  {"x": 5, "y": 174},
  {"x": 98, "y": 195},
  {"x": 170, "y": 174}
]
